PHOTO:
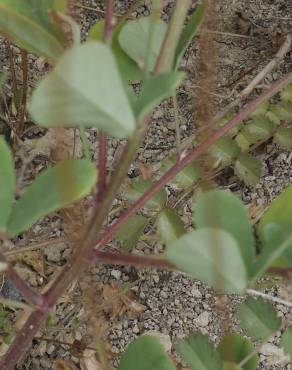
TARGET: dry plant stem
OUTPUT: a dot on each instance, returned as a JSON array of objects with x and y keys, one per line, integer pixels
[
  {"x": 191, "y": 156},
  {"x": 22, "y": 110},
  {"x": 82, "y": 258},
  {"x": 12, "y": 69},
  {"x": 285, "y": 47},
  {"x": 165, "y": 59}
]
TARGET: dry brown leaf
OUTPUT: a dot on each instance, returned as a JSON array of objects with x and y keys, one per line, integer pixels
[
  {"x": 89, "y": 361},
  {"x": 74, "y": 221},
  {"x": 64, "y": 146},
  {"x": 33, "y": 259},
  {"x": 64, "y": 365},
  {"x": 256, "y": 211},
  {"x": 118, "y": 301}
]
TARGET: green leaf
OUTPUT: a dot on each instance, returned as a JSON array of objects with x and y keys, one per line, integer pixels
[
  {"x": 282, "y": 110},
  {"x": 275, "y": 233},
  {"x": 234, "y": 348},
  {"x": 276, "y": 248},
  {"x": 169, "y": 225},
  {"x": 286, "y": 341},
  {"x": 283, "y": 137},
  {"x": 286, "y": 93},
  {"x": 206, "y": 254},
  {"x": 138, "y": 187},
  {"x": 128, "y": 68},
  {"x": 96, "y": 32},
  {"x": 85, "y": 89},
  {"x": 225, "y": 150},
  {"x": 260, "y": 128},
  {"x": 52, "y": 190},
  {"x": 199, "y": 353},
  {"x": 248, "y": 169},
  {"x": 258, "y": 318},
  {"x": 244, "y": 139},
  {"x": 185, "y": 178},
  {"x": 131, "y": 231},
  {"x": 261, "y": 109},
  {"x": 136, "y": 40},
  {"x": 154, "y": 90},
  {"x": 278, "y": 213},
  {"x": 272, "y": 116},
  {"x": 145, "y": 353},
  {"x": 223, "y": 210},
  {"x": 7, "y": 183},
  {"x": 28, "y": 23},
  {"x": 188, "y": 33}
]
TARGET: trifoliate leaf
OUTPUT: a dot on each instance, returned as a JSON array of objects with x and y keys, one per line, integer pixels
[
  {"x": 248, "y": 169},
  {"x": 258, "y": 318},
  {"x": 199, "y": 353},
  {"x": 85, "y": 89},
  {"x": 206, "y": 254}
]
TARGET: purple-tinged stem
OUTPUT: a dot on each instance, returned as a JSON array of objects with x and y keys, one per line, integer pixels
[{"x": 131, "y": 260}]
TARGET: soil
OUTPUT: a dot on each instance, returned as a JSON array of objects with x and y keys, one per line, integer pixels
[{"x": 116, "y": 304}]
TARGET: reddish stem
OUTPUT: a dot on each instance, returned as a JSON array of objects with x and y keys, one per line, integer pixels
[
  {"x": 132, "y": 260},
  {"x": 281, "y": 271},
  {"x": 108, "y": 21},
  {"x": 23, "y": 339},
  {"x": 191, "y": 156}
]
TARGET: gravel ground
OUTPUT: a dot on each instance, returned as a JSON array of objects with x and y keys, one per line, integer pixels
[{"x": 165, "y": 304}]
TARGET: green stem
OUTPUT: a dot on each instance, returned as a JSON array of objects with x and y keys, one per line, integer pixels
[{"x": 165, "y": 59}]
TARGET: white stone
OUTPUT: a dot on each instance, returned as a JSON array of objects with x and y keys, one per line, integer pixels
[
  {"x": 274, "y": 355},
  {"x": 203, "y": 319},
  {"x": 116, "y": 274}
]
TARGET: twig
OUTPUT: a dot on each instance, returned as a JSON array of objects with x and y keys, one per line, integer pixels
[
  {"x": 14, "y": 304},
  {"x": 32, "y": 247},
  {"x": 269, "y": 297},
  {"x": 12, "y": 70}
]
